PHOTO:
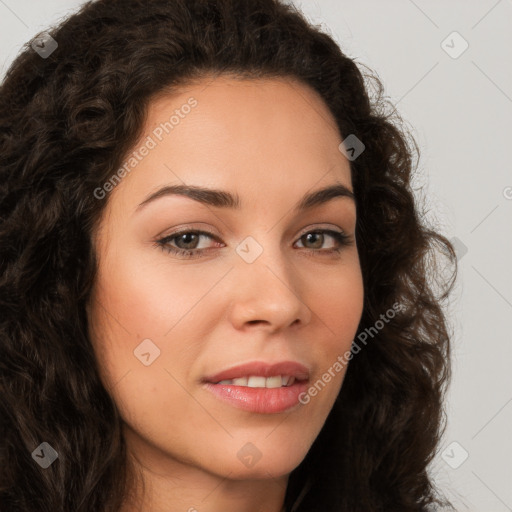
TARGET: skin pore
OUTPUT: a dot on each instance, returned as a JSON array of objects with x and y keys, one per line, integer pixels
[{"x": 268, "y": 142}]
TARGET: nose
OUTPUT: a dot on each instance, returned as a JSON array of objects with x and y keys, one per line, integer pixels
[{"x": 268, "y": 294}]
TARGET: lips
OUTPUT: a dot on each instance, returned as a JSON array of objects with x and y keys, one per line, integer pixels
[{"x": 260, "y": 387}]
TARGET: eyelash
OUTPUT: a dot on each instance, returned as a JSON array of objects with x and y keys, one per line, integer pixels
[{"x": 342, "y": 239}]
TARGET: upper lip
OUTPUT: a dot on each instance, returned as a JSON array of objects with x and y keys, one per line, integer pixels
[{"x": 260, "y": 368}]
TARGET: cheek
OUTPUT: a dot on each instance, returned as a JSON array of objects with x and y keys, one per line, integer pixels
[
  {"x": 148, "y": 322},
  {"x": 132, "y": 310},
  {"x": 147, "y": 295},
  {"x": 141, "y": 366},
  {"x": 337, "y": 302},
  {"x": 338, "y": 306}
]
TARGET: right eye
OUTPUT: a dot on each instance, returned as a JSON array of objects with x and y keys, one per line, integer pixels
[{"x": 187, "y": 238}]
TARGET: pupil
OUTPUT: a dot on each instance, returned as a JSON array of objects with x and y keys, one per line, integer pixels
[
  {"x": 184, "y": 236},
  {"x": 313, "y": 235}
]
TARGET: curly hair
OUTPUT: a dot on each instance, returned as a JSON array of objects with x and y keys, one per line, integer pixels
[{"x": 68, "y": 120}]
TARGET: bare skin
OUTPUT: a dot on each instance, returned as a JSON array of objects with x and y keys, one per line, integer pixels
[{"x": 270, "y": 142}]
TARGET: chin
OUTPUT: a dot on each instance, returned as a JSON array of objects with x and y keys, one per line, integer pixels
[
  {"x": 274, "y": 468},
  {"x": 269, "y": 460}
]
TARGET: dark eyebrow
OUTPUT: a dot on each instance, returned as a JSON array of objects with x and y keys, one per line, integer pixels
[{"x": 222, "y": 199}]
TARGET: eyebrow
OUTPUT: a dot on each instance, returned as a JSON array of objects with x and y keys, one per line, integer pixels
[{"x": 223, "y": 199}]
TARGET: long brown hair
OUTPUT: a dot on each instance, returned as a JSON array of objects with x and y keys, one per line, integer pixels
[{"x": 66, "y": 123}]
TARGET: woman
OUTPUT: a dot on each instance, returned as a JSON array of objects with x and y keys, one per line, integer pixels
[{"x": 216, "y": 284}]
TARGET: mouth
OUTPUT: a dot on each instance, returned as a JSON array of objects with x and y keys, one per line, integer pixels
[{"x": 260, "y": 387}]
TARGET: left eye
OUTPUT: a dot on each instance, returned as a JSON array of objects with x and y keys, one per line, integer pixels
[
  {"x": 186, "y": 241},
  {"x": 311, "y": 236}
]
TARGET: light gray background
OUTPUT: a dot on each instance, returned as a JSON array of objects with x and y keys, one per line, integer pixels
[{"x": 460, "y": 112}]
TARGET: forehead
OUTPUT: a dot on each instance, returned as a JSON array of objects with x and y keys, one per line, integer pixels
[
  {"x": 282, "y": 113},
  {"x": 217, "y": 90},
  {"x": 263, "y": 137}
]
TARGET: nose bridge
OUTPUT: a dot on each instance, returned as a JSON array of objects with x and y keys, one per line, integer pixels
[
  {"x": 263, "y": 254},
  {"x": 269, "y": 288}
]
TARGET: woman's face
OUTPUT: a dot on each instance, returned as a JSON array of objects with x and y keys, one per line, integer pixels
[{"x": 262, "y": 285}]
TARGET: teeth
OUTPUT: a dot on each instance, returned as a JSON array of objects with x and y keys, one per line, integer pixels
[
  {"x": 256, "y": 381},
  {"x": 273, "y": 382}
]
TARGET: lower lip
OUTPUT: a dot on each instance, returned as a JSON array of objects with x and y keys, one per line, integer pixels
[{"x": 259, "y": 400}]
